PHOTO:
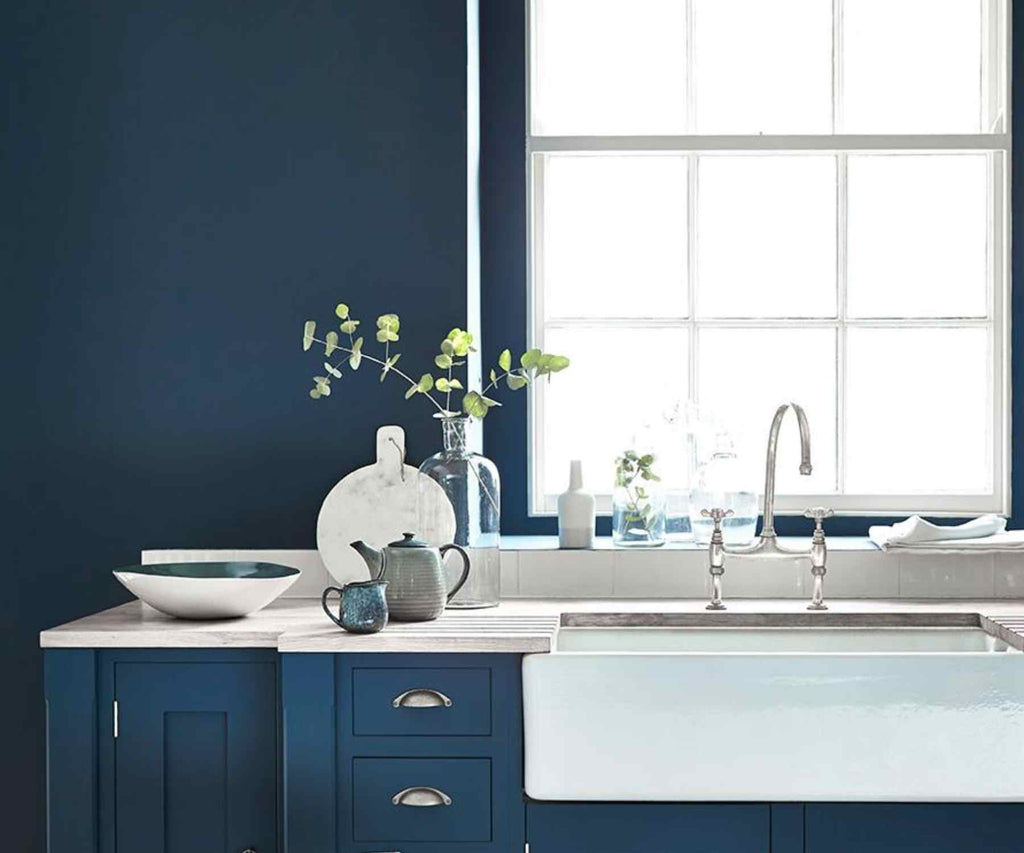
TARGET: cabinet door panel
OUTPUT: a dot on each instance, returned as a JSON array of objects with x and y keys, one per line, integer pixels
[
  {"x": 912, "y": 827},
  {"x": 645, "y": 827},
  {"x": 196, "y": 757}
]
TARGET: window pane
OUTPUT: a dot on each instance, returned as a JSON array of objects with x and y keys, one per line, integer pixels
[
  {"x": 745, "y": 374},
  {"x": 918, "y": 229},
  {"x": 911, "y": 66},
  {"x": 763, "y": 67},
  {"x": 766, "y": 236},
  {"x": 906, "y": 432},
  {"x": 594, "y": 409},
  {"x": 614, "y": 236},
  {"x": 605, "y": 67}
]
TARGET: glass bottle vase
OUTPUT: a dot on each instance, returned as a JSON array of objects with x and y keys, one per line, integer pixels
[{"x": 471, "y": 483}]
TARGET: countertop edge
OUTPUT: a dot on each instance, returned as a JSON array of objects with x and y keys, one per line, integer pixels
[{"x": 524, "y": 626}]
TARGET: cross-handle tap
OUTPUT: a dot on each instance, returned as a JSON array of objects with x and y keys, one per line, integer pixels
[
  {"x": 819, "y": 555},
  {"x": 716, "y": 555}
]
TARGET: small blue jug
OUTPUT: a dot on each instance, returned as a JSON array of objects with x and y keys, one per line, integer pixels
[{"x": 363, "y": 606}]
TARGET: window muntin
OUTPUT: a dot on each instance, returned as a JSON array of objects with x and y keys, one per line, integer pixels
[{"x": 856, "y": 263}]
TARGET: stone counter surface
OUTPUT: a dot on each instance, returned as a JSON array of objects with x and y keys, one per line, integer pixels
[{"x": 521, "y": 625}]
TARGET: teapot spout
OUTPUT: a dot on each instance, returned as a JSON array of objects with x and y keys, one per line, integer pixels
[{"x": 373, "y": 558}]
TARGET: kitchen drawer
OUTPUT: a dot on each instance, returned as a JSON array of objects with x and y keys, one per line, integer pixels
[
  {"x": 451, "y": 800},
  {"x": 430, "y": 701}
]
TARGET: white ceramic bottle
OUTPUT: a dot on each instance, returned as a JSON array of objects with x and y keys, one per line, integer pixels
[{"x": 575, "y": 512}]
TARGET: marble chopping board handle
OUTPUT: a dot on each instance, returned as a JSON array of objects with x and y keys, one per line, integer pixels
[{"x": 378, "y": 503}]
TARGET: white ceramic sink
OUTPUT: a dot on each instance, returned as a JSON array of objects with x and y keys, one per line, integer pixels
[{"x": 759, "y": 709}]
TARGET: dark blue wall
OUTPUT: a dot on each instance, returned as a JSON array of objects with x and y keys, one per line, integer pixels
[{"x": 185, "y": 182}]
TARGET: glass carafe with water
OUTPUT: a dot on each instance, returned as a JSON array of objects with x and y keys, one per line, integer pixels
[{"x": 724, "y": 483}]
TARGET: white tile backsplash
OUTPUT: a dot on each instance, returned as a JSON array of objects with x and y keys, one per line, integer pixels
[
  {"x": 1009, "y": 575},
  {"x": 935, "y": 576},
  {"x": 509, "y": 574},
  {"x": 856, "y": 569},
  {"x": 565, "y": 574},
  {"x": 862, "y": 574},
  {"x": 659, "y": 574}
]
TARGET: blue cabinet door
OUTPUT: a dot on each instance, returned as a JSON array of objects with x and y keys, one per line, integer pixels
[
  {"x": 196, "y": 757},
  {"x": 914, "y": 828},
  {"x": 646, "y": 827}
]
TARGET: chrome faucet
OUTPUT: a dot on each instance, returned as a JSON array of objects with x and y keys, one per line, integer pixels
[{"x": 767, "y": 543}]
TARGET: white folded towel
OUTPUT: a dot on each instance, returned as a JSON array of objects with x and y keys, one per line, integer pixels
[{"x": 987, "y": 533}]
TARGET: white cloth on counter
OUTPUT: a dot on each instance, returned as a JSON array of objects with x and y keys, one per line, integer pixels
[{"x": 987, "y": 533}]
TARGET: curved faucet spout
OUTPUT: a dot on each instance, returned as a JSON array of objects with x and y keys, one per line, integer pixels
[{"x": 768, "y": 527}]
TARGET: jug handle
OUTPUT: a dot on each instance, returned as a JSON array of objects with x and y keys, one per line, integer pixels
[
  {"x": 465, "y": 569},
  {"x": 323, "y": 603}
]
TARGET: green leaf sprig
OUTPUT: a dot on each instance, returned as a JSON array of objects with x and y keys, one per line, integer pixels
[
  {"x": 632, "y": 471},
  {"x": 453, "y": 353}
]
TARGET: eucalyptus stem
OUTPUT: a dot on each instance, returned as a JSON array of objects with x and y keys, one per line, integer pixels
[{"x": 404, "y": 376}]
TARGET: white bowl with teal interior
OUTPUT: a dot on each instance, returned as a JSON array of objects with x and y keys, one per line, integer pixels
[{"x": 207, "y": 590}]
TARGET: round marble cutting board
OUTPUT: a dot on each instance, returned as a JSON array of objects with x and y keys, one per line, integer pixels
[{"x": 378, "y": 503}]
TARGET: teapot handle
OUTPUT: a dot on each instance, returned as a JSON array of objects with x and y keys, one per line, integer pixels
[{"x": 465, "y": 569}]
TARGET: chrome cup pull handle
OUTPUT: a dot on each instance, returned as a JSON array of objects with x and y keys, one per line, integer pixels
[
  {"x": 421, "y": 697},
  {"x": 421, "y": 796}
]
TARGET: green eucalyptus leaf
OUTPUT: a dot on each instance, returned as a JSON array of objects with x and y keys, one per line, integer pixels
[
  {"x": 494, "y": 376},
  {"x": 487, "y": 401},
  {"x": 315, "y": 393},
  {"x": 391, "y": 362},
  {"x": 516, "y": 382},
  {"x": 442, "y": 385},
  {"x": 349, "y": 326},
  {"x": 308, "y": 331},
  {"x": 357, "y": 354},
  {"x": 331, "y": 369},
  {"x": 456, "y": 384},
  {"x": 388, "y": 322},
  {"x": 443, "y": 361},
  {"x": 323, "y": 385},
  {"x": 447, "y": 347},
  {"x": 411, "y": 391},
  {"x": 341, "y": 309},
  {"x": 505, "y": 360},
  {"x": 426, "y": 383},
  {"x": 530, "y": 358},
  {"x": 382, "y": 336},
  {"x": 331, "y": 343},
  {"x": 461, "y": 341},
  {"x": 473, "y": 405}
]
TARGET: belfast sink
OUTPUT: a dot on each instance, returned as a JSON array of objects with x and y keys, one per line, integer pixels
[{"x": 922, "y": 707}]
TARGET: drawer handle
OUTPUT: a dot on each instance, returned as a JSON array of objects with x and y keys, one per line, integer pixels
[
  {"x": 421, "y": 796},
  {"x": 421, "y": 697}
]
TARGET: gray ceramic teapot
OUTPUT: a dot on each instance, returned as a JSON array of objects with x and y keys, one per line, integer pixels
[{"x": 415, "y": 575}]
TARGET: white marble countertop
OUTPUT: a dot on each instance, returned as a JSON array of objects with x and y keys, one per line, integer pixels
[{"x": 520, "y": 625}]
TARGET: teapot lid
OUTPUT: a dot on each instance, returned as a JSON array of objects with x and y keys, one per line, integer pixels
[{"x": 408, "y": 540}]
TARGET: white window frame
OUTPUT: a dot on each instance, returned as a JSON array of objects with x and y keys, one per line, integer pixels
[{"x": 997, "y": 70}]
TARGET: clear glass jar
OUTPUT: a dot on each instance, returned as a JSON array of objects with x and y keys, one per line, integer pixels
[
  {"x": 638, "y": 503},
  {"x": 724, "y": 483},
  {"x": 471, "y": 483}
]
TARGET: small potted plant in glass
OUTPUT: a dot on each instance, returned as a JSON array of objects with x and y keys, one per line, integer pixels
[{"x": 638, "y": 502}]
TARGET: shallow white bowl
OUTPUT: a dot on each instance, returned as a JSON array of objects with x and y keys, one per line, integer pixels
[{"x": 207, "y": 590}]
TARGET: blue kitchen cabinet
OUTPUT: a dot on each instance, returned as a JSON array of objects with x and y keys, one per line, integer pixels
[
  {"x": 196, "y": 757},
  {"x": 418, "y": 753},
  {"x": 163, "y": 751},
  {"x": 645, "y": 827},
  {"x": 914, "y": 828}
]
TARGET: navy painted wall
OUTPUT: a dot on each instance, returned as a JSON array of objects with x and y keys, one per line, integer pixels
[{"x": 185, "y": 182}]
